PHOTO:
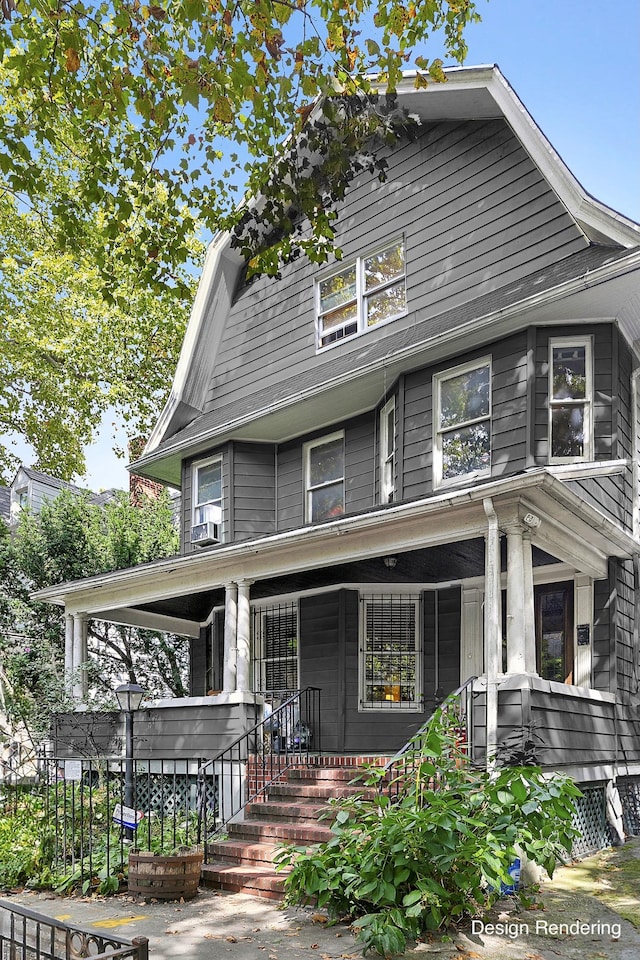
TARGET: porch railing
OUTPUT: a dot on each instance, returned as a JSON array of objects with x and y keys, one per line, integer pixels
[
  {"x": 92, "y": 825},
  {"x": 27, "y": 935},
  {"x": 287, "y": 736},
  {"x": 401, "y": 768}
]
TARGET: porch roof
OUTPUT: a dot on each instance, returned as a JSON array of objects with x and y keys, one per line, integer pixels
[{"x": 570, "y": 530}]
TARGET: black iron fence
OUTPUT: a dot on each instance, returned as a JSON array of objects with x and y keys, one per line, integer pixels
[
  {"x": 27, "y": 935},
  {"x": 287, "y": 736},
  {"x": 97, "y": 809}
]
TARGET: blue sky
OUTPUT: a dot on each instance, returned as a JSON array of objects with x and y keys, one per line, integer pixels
[{"x": 575, "y": 64}]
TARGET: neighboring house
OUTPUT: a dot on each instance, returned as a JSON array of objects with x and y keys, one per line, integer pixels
[
  {"x": 31, "y": 489},
  {"x": 415, "y": 465},
  {"x": 5, "y": 503}
]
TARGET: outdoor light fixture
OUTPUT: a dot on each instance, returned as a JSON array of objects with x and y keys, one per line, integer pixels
[
  {"x": 390, "y": 562},
  {"x": 129, "y": 696}
]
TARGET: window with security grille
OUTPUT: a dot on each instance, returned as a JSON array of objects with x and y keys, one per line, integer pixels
[
  {"x": 275, "y": 632},
  {"x": 390, "y": 654}
]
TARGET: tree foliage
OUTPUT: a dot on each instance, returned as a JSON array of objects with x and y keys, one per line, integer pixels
[
  {"x": 164, "y": 109},
  {"x": 441, "y": 853},
  {"x": 67, "y": 355},
  {"x": 71, "y": 539}
]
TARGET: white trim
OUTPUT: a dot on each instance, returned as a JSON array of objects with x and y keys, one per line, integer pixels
[
  {"x": 387, "y": 488},
  {"x": 308, "y": 489},
  {"x": 596, "y": 468},
  {"x": 451, "y": 373},
  {"x": 585, "y": 405}
]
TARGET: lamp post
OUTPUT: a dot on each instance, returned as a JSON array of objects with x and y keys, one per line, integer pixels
[{"x": 129, "y": 698}]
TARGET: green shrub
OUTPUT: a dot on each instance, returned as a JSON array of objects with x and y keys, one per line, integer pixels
[{"x": 440, "y": 853}]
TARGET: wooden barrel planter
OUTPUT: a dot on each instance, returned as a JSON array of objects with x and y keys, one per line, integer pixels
[{"x": 164, "y": 877}]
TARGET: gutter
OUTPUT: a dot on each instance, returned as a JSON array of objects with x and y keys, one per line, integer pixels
[{"x": 351, "y": 526}]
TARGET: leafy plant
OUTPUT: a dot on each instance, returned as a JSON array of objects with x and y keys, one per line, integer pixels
[{"x": 440, "y": 853}]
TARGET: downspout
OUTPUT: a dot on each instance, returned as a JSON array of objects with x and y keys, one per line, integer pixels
[{"x": 492, "y": 628}]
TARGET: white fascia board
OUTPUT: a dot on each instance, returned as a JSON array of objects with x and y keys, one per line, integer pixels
[
  {"x": 151, "y": 621},
  {"x": 445, "y": 518},
  {"x": 585, "y": 209},
  {"x": 589, "y": 213},
  {"x": 210, "y": 307}
]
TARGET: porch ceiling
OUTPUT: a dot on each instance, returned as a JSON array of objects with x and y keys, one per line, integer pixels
[{"x": 435, "y": 539}]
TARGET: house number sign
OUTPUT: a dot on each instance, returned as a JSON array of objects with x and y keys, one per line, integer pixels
[{"x": 583, "y": 631}]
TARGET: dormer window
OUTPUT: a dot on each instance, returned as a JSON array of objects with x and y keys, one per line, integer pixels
[{"x": 367, "y": 292}]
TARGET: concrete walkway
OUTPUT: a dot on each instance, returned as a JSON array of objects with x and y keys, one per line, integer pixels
[{"x": 573, "y": 924}]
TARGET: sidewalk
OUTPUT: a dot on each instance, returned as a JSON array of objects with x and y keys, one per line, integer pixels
[{"x": 574, "y": 924}]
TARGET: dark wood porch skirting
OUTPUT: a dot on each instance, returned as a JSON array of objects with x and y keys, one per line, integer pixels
[{"x": 288, "y": 811}]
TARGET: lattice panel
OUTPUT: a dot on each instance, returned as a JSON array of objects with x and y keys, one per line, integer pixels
[
  {"x": 630, "y": 796},
  {"x": 590, "y": 819},
  {"x": 165, "y": 794}
]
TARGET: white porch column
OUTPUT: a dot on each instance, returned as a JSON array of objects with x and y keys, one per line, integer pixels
[
  {"x": 230, "y": 637},
  {"x": 244, "y": 636},
  {"x": 516, "y": 658},
  {"x": 529, "y": 605},
  {"x": 68, "y": 652},
  {"x": 521, "y": 628},
  {"x": 492, "y": 626},
  {"x": 80, "y": 684}
]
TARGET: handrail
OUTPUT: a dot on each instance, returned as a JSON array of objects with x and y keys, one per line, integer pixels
[
  {"x": 286, "y": 737},
  {"x": 45, "y": 938},
  {"x": 466, "y": 738}
]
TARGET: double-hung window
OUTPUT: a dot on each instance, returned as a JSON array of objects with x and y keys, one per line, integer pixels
[
  {"x": 570, "y": 400},
  {"x": 390, "y": 653},
  {"x": 462, "y": 433},
  {"x": 388, "y": 451},
  {"x": 207, "y": 492},
  {"x": 324, "y": 478},
  {"x": 365, "y": 293}
]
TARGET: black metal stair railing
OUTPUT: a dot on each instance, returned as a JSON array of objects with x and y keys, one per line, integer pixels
[
  {"x": 27, "y": 935},
  {"x": 288, "y": 736},
  {"x": 401, "y": 769}
]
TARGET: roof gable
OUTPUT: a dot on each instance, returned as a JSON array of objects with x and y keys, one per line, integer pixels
[{"x": 232, "y": 350}]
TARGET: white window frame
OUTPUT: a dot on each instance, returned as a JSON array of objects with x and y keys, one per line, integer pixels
[
  {"x": 387, "y": 461},
  {"x": 438, "y": 432},
  {"x": 586, "y": 404},
  {"x": 366, "y": 706},
  {"x": 195, "y": 505},
  {"x": 361, "y": 297},
  {"x": 310, "y": 490}
]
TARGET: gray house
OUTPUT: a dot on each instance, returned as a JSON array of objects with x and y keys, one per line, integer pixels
[{"x": 414, "y": 466}]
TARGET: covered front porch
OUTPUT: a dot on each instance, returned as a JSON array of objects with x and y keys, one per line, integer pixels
[{"x": 515, "y": 581}]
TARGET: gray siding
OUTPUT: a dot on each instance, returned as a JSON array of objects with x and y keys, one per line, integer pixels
[
  {"x": 475, "y": 214},
  {"x": 254, "y": 490},
  {"x": 322, "y": 660},
  {"x": 182, "y": 732}
]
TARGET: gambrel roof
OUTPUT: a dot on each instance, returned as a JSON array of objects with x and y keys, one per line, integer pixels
[{"x": 496, "y": 243}]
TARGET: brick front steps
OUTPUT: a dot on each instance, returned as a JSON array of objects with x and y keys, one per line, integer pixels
[{"x": 288, "y": 811}]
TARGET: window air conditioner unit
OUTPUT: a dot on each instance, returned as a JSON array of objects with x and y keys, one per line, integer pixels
[{"x": 202, "y": 534}]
